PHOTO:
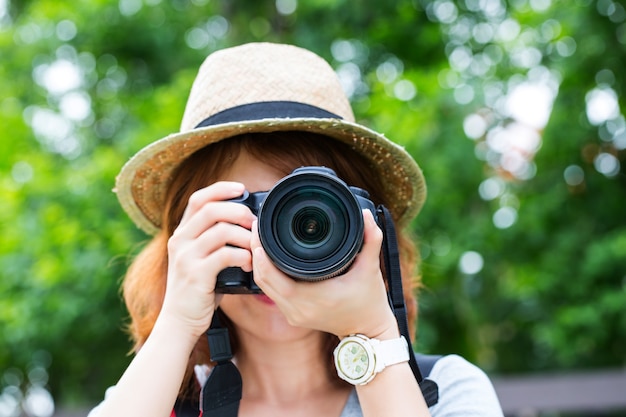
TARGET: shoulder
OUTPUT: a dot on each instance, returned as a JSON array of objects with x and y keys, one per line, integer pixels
[{"x": 464, "y": 389}]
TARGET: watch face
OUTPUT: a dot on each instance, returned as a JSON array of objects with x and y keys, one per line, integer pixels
[{"x": 353, "y": 361}]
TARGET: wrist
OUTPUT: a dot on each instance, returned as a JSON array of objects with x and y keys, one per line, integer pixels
[
  {"x": 388, "y": 333},
  {"x": 385, "y": 330},
  {"x": 169, "y": 329}
]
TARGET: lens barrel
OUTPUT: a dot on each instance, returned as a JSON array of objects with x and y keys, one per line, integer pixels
[{"x": 311, "y": 225}]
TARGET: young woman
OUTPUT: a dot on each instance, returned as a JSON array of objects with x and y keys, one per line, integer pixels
[{"x": 255, "y": 113}]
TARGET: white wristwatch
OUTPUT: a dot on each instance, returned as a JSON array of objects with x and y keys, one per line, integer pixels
[{"x": 358, "y": 358}]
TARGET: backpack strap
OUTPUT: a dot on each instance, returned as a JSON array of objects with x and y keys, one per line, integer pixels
[
  {"x": 426, "y": 362},
  {"x": 429, "y": 388}
]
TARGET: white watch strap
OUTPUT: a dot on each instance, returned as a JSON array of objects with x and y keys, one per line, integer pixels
[{"x": 390, "y": 352}]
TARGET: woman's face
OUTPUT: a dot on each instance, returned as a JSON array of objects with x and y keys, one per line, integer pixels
[{"x": 256, "y": 316}]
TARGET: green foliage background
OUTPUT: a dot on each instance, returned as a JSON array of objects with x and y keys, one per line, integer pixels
[{"x": 552, "y": 288}]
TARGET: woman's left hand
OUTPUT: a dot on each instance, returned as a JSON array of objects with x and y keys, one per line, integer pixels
[{"x": 355, "y": 302}]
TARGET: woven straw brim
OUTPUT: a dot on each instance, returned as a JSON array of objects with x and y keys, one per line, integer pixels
[{"x": 143, "y": 182}]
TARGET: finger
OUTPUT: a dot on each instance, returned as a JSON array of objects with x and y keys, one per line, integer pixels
[
  {"x": 255, "y": 240},
  {"x": 219, "y": 191},
  {"x": 222, "y": 234},
  {"x": 213, "y": 213},
  {"x": 225, "y": 257},
  {"x": 192, "y": 240},
  {"x": 270, "y": 279},
  {"x": 368, "y": 260}
]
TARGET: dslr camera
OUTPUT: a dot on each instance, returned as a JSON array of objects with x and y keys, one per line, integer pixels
[{"x": 310, "y": 225}]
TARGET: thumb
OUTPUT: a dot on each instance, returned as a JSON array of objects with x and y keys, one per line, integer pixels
[{"x": 372, "y": 235}]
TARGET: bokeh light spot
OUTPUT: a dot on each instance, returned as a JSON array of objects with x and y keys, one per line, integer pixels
[
  {"x": 444, "y": 11},
  {"x": 59, "y": 77},
  {"x": 504, "y": 217},
  {"x": 602, "y": 105},
  {"x": 574, "y": 175},
  {"x": 607, "y": 164},
  {"x": 66, "y": 30},
  {"x": 491, "y": 188},
  {"x": 460, "y": 58},
  {"x": 197, "y": 38},
  {"x": 76, "y": 105},
  {"x": 286, "y": 7},
  {"x": 471, "y": 262},
  {"x": 566, "y": 46},
  {"x": 349, "y": 77},
  {"x": 343, "y": 50},
  {"x": 508, "y": 30},
  {"x": 129, "y": 7},
  {"x": 474, "y": 126},
  {"x": 530, "y": 103},
  {"x": 389, "y": 71},
  {"x": 22, "y": 172},
  {"x": 404, "y": 90},
  {"x": 540, "y": 5}
]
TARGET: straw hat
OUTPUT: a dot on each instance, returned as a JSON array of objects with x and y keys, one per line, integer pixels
[{"x": 264, "y": 87}]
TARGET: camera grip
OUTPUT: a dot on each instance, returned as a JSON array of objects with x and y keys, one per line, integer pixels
[{"x": 235, "y": 280}]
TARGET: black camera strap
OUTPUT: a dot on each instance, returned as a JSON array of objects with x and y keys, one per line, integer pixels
[
  {"x": 221, "y": 393},
  {"x": 391, "y": 257}
]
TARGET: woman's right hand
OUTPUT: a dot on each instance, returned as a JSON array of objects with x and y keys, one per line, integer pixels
[{"x": 213, "y": 234}]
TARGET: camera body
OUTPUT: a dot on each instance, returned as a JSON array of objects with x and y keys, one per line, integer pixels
[{"x": 310, "y": 225}]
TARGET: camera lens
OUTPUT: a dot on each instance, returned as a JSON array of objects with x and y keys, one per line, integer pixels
[{"x": 311, "y": 225}]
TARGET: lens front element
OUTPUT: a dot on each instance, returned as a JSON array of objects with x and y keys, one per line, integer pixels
[{"x": 311, "y": 225}]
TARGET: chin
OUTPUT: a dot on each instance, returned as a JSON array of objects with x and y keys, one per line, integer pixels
[{"x": 259, "y": 317}]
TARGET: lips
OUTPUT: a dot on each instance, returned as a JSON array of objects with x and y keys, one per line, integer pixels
[{"x": 264, "y": 299}]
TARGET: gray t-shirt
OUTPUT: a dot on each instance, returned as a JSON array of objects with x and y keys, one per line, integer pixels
[{"x": 464, "y": 391}]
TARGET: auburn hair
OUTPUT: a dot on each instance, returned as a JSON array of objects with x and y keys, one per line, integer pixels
[{"x": 144, "y": 284}]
